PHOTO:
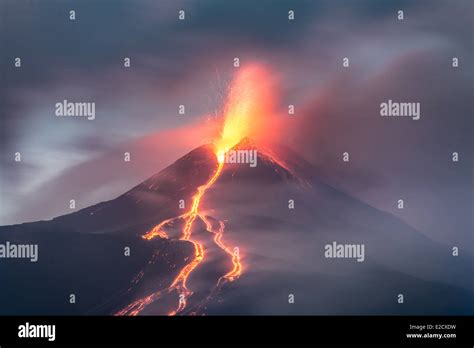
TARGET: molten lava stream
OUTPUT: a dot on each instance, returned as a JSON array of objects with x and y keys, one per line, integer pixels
[
  {"x": 179, "y": 283},
  {"x": 236, "y": 271}
]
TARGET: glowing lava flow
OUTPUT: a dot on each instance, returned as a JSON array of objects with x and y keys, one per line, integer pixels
[
  {"x": 235, "y": 272},
  {"x": 179, "y": 283}
]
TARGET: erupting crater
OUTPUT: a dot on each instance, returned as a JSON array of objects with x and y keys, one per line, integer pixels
[{"x": 248, "y": 101}]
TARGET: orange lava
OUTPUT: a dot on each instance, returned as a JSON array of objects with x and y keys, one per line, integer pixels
[
  {"x": 179, "y": 283},
  {"x": 236, "y": 271},
  {"x": 249, "y": 109}
]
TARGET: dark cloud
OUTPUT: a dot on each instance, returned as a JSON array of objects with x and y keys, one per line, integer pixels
[
  {"x": 167, "y": 55},
  {"x": 174, "y": 61},
  {"x": 92, "y": 143},
  {"x": 398, "y": 158}
]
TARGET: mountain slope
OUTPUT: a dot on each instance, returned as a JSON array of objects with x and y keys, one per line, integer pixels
[{"x": 281, "y": 249}]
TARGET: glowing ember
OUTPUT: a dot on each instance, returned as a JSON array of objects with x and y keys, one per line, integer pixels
[{"x": 248, "y": 108}]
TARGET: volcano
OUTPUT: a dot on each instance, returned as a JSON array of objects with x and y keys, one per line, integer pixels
[{"x": 204, "y": 237}]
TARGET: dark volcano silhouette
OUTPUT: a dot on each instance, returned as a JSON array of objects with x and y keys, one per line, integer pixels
[{"x": 282, "y": 249}]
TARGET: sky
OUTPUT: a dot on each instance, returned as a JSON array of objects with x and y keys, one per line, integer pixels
[{"x": 190, "y": 63}]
